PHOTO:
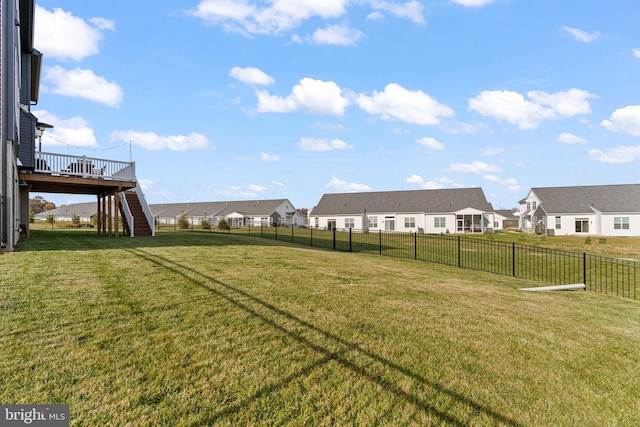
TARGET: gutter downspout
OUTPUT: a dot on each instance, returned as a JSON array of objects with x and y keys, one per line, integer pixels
[{"x": 6, "y": 31}]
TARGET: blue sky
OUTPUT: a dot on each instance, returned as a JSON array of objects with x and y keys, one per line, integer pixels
[{"x": 245, "y": 99}]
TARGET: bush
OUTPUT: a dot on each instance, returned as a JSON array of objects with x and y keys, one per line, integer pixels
[
  {"x": 205, "y": 224},
  {"x": 183, "y": 222},
  {"x": 223, "y": 225},
  {"x": 587, "y": 241}
]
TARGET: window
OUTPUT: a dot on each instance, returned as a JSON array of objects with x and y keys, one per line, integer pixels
[
  {"x": 533, "y": 204},
  {"x": 373, "y": 221},
  {"x": 558, "y": 223},
  {"x": 528, "y": 206},
  {"x": 349, "y": 223},
  {"x": 410, "y": 222},
  {"x": 621, "y": 223},
  {"x": 439, "y": 222},
  {"x": 582, "y": 225},
  {"x": 317, "y": 222}
]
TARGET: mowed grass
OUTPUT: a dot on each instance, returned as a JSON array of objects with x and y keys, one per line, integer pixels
[{"x": 212, "y": 329}]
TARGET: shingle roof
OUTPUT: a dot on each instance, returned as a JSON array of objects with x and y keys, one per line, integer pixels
[
  {"x": 201, "y": 209},
  {"x": 432, "y": 201},
  {"x": 83, "y": 210},
  {"x": 507, "y": 213},
  {"x": 604, "y": 198}
]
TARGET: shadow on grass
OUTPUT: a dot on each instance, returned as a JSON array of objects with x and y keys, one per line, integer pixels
[
  {"x": 252, "y": 304},
  {"x": 82, "y": 240}
]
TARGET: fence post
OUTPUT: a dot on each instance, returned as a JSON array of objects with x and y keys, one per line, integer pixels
[
  {"x": 334, "y": 239},
  {"x": 380, "y": 240},
  {"x": 291, "y": 233},
  {"x": 415, "y": 245},
  {"x": 513, "y": 259},
  {"x": 261, "y": 228},
  {"x": 349, "y": 239},
  {"x": 276, "y": 231},
  {"x": 584, "y": 269},
  {"x": 311, "y": 230},
  {"x": 459, "y": 253}
]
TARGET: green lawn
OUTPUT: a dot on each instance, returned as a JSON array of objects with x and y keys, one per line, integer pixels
[{"x": 204, "y": 329}]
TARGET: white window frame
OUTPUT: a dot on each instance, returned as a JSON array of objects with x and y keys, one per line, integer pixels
[{"x": 621, "y": 223}]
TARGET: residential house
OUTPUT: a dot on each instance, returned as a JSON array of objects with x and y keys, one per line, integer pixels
[
  {"x": 85, "y": 213},
  {"x": 505, "y": 219},
  {"x": 19, "y": 87},
  {"x": 254, "y": 213},
  {"x": 456, "y": 210},
  {"x": 606, "y": 210}
]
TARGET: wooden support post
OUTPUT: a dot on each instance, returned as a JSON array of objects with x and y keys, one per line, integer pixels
[
  {"x": 117, "y": 210},
  {"x": 109, "y": 218}
]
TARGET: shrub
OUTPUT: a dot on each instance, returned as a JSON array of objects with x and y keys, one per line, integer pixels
[
  {"x": 223, "y": 224},
  {"x": 183, "y": 222},
  {"x": 587, "y": 241},
  {"x": 205, "y": 224}
]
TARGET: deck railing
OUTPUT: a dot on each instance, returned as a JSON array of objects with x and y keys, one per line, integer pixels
[{"x": 83, "y": 166}]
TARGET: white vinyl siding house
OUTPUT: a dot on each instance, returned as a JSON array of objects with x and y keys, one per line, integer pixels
[
  {"x": 245, "y": 213},
  {"x": 604, "y": 210},
  {"x": 464, "y": 210}
]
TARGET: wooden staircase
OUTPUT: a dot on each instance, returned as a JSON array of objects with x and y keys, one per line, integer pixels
[{"x": 140, "y": 224}]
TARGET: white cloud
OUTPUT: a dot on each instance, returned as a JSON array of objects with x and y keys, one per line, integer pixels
[
  {"x": 313, "y": 96},
  {"x": 569, "y": 138},
  {"x": 277, "y": 183},
  {"x": 431, "y": 185},
  {"x": 411, "y": 10},
  {"x": 61, "y": 35},
  {"x": 269, "y": 157},
  {"x": 528, "y": 114},
  {"x": 636, "y": 52},
  {"x": 624, "y": 120},
  {"x": 153, "y": 141},
  {"x": 431, "y": 143},
  {"x": 257, "y": 188},
  {"x": 145, "y": 183},
  {"x": 581, "y": 35},
  {"x": 475, "y": 167},
  {"x": 620, "y": 154},
  {"x": 253, "y": 17},
  {"x": 66, "y": 132},
  {"x": 251, "y": 76},
  {"x": 510, "y": 183},
  {"x": 492, "y": 151},
  {"x": 312, "y": 144},
  {"x": 340, "y": 35},
  {"x": 247, "y": 17},
  {"x": 472, "y": 3},
  {"x": 344, "y": 186},
  {"x": 82, "y": 84},
  {"x": 408, "y": 106}
]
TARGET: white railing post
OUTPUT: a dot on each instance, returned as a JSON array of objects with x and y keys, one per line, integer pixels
[{"x": 127, "y": 214}]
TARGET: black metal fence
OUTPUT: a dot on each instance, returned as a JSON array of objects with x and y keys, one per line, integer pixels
[{"x": 603, "y": 274}]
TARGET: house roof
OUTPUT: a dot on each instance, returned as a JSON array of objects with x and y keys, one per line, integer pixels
[
  {"x": 581, "y": 199},
  {"x": 200, "y": 209},
  {"x": 432, "y": 201},
  {"x": 84, "y": 210},
  {"x": 507, "y": 213}
]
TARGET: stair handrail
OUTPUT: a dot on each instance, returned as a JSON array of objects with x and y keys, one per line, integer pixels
[
  {"x": 146, "y": 209},
  {"x": 126, "y": 211}
]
